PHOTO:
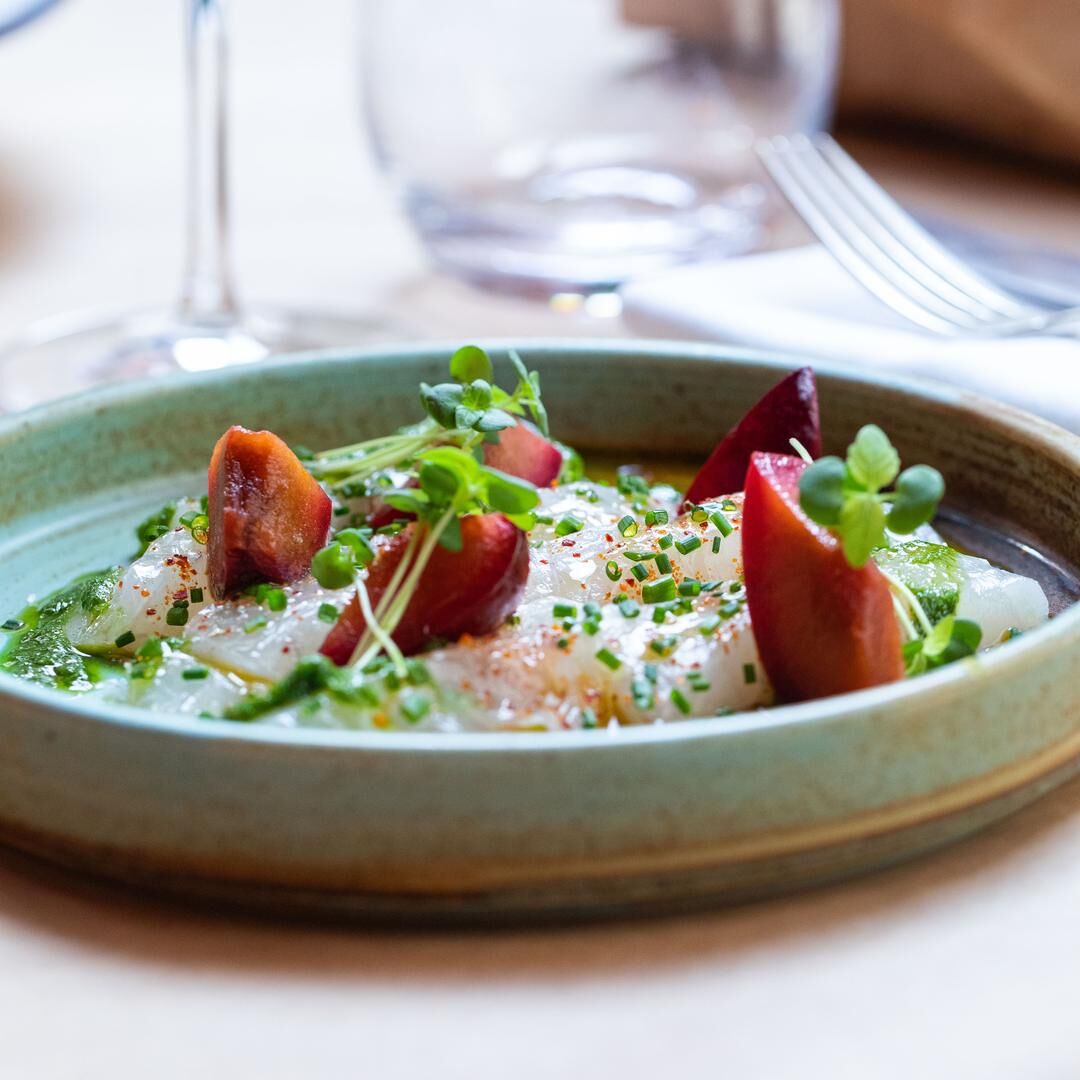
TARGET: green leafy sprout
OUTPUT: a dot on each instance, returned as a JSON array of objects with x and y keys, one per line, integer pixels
[
  {"x": 441, "y": 478},
  {"x": 465, "y": 413},
  {"x": 849, "y": 496}
]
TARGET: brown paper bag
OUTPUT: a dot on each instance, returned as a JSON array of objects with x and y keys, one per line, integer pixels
[
  {"x": 1003, "y": 71},
  {"x": 1007, "y": 71}
]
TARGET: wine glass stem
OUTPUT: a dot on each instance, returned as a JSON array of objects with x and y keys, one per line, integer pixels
[{"x": 207, "y": 294}]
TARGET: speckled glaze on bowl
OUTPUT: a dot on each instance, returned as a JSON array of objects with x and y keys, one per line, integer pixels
[{"x": 492, "y": 826}]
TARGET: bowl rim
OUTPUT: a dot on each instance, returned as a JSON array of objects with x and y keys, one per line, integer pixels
[{"x": 1062, "y": 632}]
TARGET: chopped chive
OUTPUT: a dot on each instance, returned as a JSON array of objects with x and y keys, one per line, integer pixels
[
  {"x": 415, "y": 707},
  {"x": 126, "y": 638},
  {"x": 564, "y": 611},
  {"x": 698, "y": 683},
  {"x": 255, "y": 624},
  {"x": 723, "y": 526},
  {"x": 568, "y": 624},
  {"x": 177, "y": 615},
  {"x": 680, "y": 702},
  {"x": 569, "y": 524},
  {"x": 749, "y": 673},
  {"x": 729, "y": 609},
  {"x": 639, "y": 556},
  {"x": 544, "y": 519},
  {"x": 666, "y": 541},
  {"x": 710, "y": 586},
  {"x": 193, "y": 673},
  {"x": 151, "y": 649},
  {"x": 563, "y": 643},
  {"x": 656, "y": 517},
  {"x": 588, "y": 718},
  {"x": 656, "y": 592},
  {"x": 628, "y": 608},
  {"x": 651, "y": 671},
  {"x": 664, "y": 646},
  {"x": 591, "y": 627},
  {"x": 627, "y": 526},
  {"x": 613, "y": 572},
  {"x": 608, "y": 659},
  {"x": 710, "y": 624},
  {"x": 642, "y": 692},
  {"x": 196, "y": 595},
  {"x": 729, "y": 505},
  {"x": 663, "y": 564},
  {"x": 699, "y": 514},
  {"x": 716, "y": 542},
  {"x": 328, "y": 613},
  {"x": 276, "y": 600},
  {"x": 690, "y": 588},
  {"x": 659, "y": 616},
  {"x": 592, "y": 610},
  {"x": 10, "y": 625},
  {"x": 639, "y": 571},
  {"x": 685, "y": 546}
]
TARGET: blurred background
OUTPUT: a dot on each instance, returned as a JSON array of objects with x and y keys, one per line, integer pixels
[{"x": 356, "y": 123}]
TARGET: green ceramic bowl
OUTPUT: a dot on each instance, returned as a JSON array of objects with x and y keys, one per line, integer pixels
[{"x": 491, "y": 826}]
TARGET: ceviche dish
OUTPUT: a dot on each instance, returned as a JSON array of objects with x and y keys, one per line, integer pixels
[{"x": 467, "y": 573}]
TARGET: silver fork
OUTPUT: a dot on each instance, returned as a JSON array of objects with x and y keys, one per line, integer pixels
[{"x": 891, "y": 254}]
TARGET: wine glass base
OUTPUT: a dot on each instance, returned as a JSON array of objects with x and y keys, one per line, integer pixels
[{"x": 66, "y": 354}]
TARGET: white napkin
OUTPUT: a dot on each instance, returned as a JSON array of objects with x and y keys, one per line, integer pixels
[{"x": 803, "y": 303}]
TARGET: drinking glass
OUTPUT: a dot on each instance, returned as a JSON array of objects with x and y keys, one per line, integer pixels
[
  {"x": 207, "y": 327},
  {"x": 570, "y": 145}
]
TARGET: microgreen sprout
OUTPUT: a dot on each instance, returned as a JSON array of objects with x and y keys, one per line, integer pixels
[
  {"x": 848, "y": 496},
  {"x": 952, "y": 639}
]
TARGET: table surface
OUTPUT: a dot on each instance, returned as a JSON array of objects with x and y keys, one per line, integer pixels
[{"x": 960, "y": 965}]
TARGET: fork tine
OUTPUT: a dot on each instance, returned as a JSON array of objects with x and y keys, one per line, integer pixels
[
  {"x": 962, "y": 307},
  {"x": 849, "y": 247},
  {"x": 914, "y": 238}
]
